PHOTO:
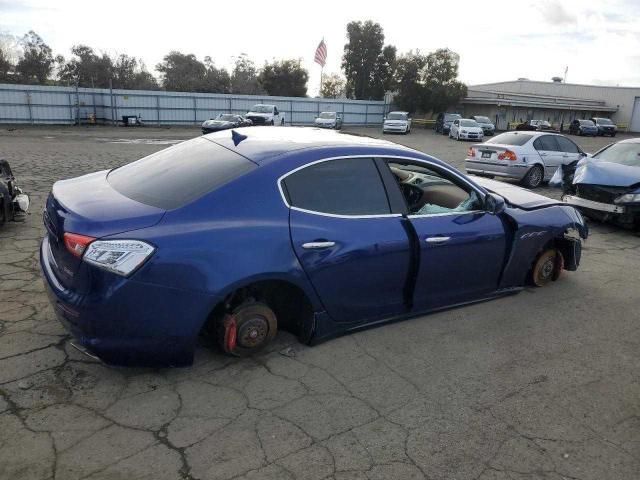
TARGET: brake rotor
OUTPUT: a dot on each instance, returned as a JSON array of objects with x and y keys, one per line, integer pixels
[{"x": 545, "y": 268}]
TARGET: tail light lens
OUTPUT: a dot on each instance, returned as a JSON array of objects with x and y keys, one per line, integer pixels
[
  {"x": 471, "y": 152},
  {"x": 118, "y": 256},
  {"x": 77, "y": 244},
  {"x": 507, "y": 155}
]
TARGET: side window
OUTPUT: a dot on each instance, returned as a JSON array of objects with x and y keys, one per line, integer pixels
[
  {"x": 428, "y": 191},
  {"x": 350, "y": 186},
  {"x": 546, "y": 143},
  {"x": 567, "y": 145}
]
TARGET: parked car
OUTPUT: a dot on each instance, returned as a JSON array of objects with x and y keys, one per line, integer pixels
[
  {"x": 244, "y": 232},
  {"x": 529, "y": 157},
  {"x": 486, "y": 124},
  {"x": 14, "y": 203},
  {"x": 583, "y": 127},
  {"x": 466, "y": 129},
  {"x": 606, "y": 186},
  {"x": 329, "y": 120},
  {"x": 265, "y": 115},
  {"x": 605, "y": 126},
  {"x": 396, "y": 122},
  {"x": 225, "y": 121},
  {"x": 444, "y": 121},
  {"x": 534, "y": 125}
]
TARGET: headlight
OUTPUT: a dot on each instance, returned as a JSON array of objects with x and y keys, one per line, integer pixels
[
  {"x": 118, "y": 256},
  {"x": 628, "y": 198},
  {"x": 463, "y": 131}
]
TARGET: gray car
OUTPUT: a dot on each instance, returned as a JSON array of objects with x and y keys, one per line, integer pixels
[
  {"x": 487, "y": 125},
  {"x": 529, "y": 157}
]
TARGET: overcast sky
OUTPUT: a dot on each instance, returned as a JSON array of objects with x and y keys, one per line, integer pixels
[{"x": 497, "y": 40}]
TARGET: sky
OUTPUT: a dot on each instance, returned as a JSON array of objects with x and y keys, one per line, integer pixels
[{"x": 497, "y": 40}]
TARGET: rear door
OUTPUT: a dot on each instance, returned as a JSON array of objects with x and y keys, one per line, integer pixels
[
  {"x": 549, "y": 152},
  {"x": 570, "y": 151},
  {"x": 353, "y": 249}
]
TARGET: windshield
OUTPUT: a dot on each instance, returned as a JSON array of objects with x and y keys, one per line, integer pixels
[
  {"x": 450, "y": 117},
  {"x": 262, "y": 109},
  {"x": 177, "y": 175},
  {"x": 468, "y": 123},
  {"x": 328, "y": 115},
  {"x": 603, "y": 121},
  {"x": 511, "y": 138},
  {"x": 227, "y": 117},
  {"x": 482, "y": 119},
  {"x": 622, "y": 153},
  {"x": 397, "y": 116},
  {"x": 587, "y": 123}
]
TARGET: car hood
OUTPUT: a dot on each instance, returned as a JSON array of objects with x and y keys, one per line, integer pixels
[
  {"x": 597, "y": 172},
  {"x": 515, "y": 195}
]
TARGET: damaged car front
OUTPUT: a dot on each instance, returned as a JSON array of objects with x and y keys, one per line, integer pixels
[
  {"x": 606, "y": 186},
  {"x": 14, "y": 204}
]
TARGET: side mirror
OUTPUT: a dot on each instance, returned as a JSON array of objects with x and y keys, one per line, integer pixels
[
  {"x": 493, "y": 203},
  {"x": 583, "y": 154}
]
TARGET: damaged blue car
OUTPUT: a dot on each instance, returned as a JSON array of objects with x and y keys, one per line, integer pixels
[{"x": 239, "y": 234}]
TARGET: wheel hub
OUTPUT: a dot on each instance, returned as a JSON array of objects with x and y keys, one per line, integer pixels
[{"x": 253, "y": 332}]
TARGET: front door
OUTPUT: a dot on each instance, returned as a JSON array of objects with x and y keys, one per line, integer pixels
[
  {"x": 353, "y": 249},
  {"x": 462, "y": 247}
]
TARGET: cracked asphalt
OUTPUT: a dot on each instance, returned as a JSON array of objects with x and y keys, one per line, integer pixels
[{"x": 540, "y": 385}]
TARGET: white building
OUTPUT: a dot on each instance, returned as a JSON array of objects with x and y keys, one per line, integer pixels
[{"x": 519, "y": 100}]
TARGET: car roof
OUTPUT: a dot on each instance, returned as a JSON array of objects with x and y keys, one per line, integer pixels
[
  {"x": 262, "y": 144},
  {"x": 399, "y": 111}
]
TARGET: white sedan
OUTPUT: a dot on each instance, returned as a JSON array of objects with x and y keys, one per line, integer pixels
[
  {"x": 529, "y": 157},
  {"x": 466, "y": 129},
  {"x": 397, "y": 122}
]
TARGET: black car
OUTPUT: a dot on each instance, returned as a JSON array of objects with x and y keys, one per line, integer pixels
[
  {"x": 534, "y": 125},
  {"x": 225, "y": 121},
  {"x": 444, "y": 121},
  {"x": 605, "y": 126},
  {"x": 583, "y": 127}
]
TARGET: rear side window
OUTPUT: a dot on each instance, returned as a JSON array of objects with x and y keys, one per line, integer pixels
[
  {"x": 350, "y": 186},
  {"x": 567, "y": 145},
  {"x": 180, "y": 174},
  {"x": 546, "y": 143},
  {"x": 511, "y": 138}
]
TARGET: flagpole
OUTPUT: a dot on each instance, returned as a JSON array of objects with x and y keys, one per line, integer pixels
[{"x": 321, "y": 70}]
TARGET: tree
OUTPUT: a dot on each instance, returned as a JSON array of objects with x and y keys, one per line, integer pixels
[
  {"x": 367, "y": 64},
  {"x": 409, "y": 81},
  {"x": 182, "y": 73},
  {"x": 332, "y": 86},
  {"x": 9, "y": 53},
  {"x": 285, "y": 78},
  {"x": 440, "y": 79},
  {"x": 37, "y": 60},
  {"x": 244, "y": 77},
  {"x": 131, "y": 73},
  {"x": 216, "y": 80},
  {"x": 88, "y": 69}
]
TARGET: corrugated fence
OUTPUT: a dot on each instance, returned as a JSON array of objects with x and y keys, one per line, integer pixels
[{"x": 33, "y": 104}]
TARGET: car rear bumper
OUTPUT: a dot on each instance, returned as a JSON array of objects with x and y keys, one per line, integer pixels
[
  {"x": 592, "y": 205},
  {"x": 515, "y": 171},
  {"x": 128, "y": 322}
]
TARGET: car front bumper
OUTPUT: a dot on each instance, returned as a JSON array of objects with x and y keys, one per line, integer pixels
[
  {"x": 471, "y": 136},
  {"x": 592, "y": 205},
  {"x": 516, "y": 171},
  {"x": 127, "y": 322},
  {"x": 325, "y": 125},
  {"x": 395, "y": 128}
]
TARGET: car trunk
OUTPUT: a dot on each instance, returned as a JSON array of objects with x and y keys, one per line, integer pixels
[
  {"x": 488, "y": 152},
  {"x": 89, "y": 206}
]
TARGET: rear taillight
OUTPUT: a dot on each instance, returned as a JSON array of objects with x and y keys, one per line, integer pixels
[
  {"x": 507, "y": 155},
  {"x": 77, "y": 244},
  {"x": 471, "y": 152}
]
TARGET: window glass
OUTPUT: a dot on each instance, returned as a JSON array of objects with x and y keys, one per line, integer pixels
[
  {"x": 567, "y": 145},
  {"x": 468, "y": 123},
  {"x": 177, "y": 175},
  {"x": 511, "y": 138},
  {"x": 546, "y": 143},
  {"x": 428, "y": 192},
  {"x": 622, "y": 153},
  {"x": 350, "y": 186}
]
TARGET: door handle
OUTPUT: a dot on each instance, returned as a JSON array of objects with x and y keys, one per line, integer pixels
[
  {"x": 317, "y": 245},
  {"x": 437, "y": 239}
]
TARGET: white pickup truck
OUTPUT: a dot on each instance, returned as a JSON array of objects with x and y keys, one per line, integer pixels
[{"x": 265, "y": 115}]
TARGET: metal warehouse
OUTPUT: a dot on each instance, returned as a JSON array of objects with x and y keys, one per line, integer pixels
[{"x": 557, "y": 102}]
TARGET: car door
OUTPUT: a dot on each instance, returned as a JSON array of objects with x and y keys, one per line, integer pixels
[
  {"x": 455, "y": 126},
  {"x": 549, "y": 152},
  {"x": 353, "y": 249},
  {"x": 461, "y": 246},
  {"x": 569, "y": 150}
]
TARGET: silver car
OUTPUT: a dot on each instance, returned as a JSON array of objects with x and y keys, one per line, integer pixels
[{"x": 529, "y": 157}]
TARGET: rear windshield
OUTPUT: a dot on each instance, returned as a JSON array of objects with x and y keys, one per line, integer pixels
[
  {"x": 511, "y": 138},
  {"x": 622, "y": 153},
  {"x": 587, "y": 123},
  {"x": 482, "y": 119},
  {"x": 180, "y": 174},
  {"x": 604, "y": 121}
]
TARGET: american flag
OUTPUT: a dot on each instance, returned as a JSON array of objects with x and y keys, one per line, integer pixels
[{"x": 321, "y": 53}]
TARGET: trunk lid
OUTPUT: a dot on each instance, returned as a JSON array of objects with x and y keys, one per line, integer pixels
[
  {"x": 488, "y": 152},
  {"x": 88, "y": 205}
]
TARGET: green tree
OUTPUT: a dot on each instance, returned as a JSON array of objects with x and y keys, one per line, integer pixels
[
  {"x": 216, "y": 80},
  {"x": 285, "y": 78},
  {"x": 368, "y": 65},
  {"x": 37, "y": 60},
  {"x": 443, "y": 89},
  {"x": 87, "y": 69},
  {"x": 244, "y": 77},
  {"x": 409, "y": 81},
  {"x": 182, "y": 72},
  {"x": 332, "y": 86},
  {"x": 5, "y": 66},
  {"x": 131, "y": 73}
]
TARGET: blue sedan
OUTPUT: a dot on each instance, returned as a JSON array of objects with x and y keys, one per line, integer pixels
[{"x": 240, "y": 233}]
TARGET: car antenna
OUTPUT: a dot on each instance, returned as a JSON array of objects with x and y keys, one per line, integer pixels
[{"x": 237, "y": 137}]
